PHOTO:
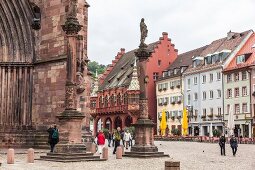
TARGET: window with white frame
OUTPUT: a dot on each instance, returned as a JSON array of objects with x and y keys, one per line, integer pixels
[
  {"x": 188, "y": 99},
  {"x": 204, "y": 79},
  {"x": 204, "y": 112},
  {"x": 195, "y": 96},
  {"x": 244, "y": 75},
  {"x": 219, "y": 111},
  {"x": 211, "y": 94},
  {"x": 155, "y": 76},
  {"x": 188, "y": 83},
  {"x": 240, "y": 59},
  {"x": 204, "y": 95},
  {"x": 229, "y": 93},
  {"x": 236, "y": 76},
  {"x": 237, "y": 108},
  {"x": 195, "y": 80},
  {"x": 237, "y": 94},
  {"x": 211, "y": 77},
  {"x": 244, "y": 91},
  {"x": 218, "y": 76},
  {"x": 229, "y": 78},
  {"x": 244, "y": 108},
  {"x": 219, "y": 93}
]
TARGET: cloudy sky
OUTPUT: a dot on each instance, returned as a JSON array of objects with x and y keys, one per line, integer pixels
[{"x": 114, "y": 24}]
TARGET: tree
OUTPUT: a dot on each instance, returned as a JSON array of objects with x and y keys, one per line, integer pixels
[{"x": 93, "y": 66}]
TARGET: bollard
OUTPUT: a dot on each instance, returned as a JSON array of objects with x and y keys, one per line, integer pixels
[
  {"x": 123, "y": 150},
  {"x": 119, "y": 153},
  {"x": 30, "y": 155},
  {"x": 172, "y": 165},
  {"x": 10, "y": 156},
  {"x": 93, "y": 148},
  {"x": 105, "y": 153}
]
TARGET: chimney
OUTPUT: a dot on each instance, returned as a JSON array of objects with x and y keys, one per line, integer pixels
[
  {"x": 122, "y": 50},
  {"x": 230, "y": 35}
]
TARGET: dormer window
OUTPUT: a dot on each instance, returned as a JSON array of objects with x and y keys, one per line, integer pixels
[
  {"x": 240, "y": 59},
  {"x": 223, "y": 54},
  {"x": 208, "y": 59},
  {"x": 165, "y": 74},
  {"x": 182, "y": 69},
  {"x": 175, "y": 71}
]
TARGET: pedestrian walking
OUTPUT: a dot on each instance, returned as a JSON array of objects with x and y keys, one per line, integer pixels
[
  {"x": 222, "y": 142},
  {"x": 100, "y": 141},
  {"x": 122, "y": 137},
  {"x": 113, "y": 138},
  {"x": 117, "y": 138},
  {"x": 109, "y": 139},
  {"x": 53, "y": 138},
  {"x": 233, "y": 144},
  {"x": 127, "y": 138}
]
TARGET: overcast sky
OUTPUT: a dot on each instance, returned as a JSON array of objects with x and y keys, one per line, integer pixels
[{"x": 114, "y": 24}]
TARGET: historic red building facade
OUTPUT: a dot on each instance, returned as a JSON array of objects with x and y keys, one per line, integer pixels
[
  {"x": 33, "y": 53},
  {"x": 114, "y": 101}
]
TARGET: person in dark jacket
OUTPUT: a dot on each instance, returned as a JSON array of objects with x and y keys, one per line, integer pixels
[
  {"x": 234, "y": 145},
  {"x": 222, "y": 142},
  {"x": 53, "y": 138},
  {"x": 109, "y": 138},
  {"x": 117, "y": 138}
]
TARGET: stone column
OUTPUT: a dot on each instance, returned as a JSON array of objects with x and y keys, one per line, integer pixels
[
  {"x": 144, "y": 126},
  {"x": 70, "y": 120}
]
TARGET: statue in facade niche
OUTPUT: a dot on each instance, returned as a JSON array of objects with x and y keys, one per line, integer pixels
[{"x": 144, "y": 33}]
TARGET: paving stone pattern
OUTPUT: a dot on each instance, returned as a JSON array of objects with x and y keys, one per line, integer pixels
[{"x": 192, "y": 156}]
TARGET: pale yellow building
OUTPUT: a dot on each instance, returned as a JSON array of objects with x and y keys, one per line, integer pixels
[{"x": 169, "y": 91}]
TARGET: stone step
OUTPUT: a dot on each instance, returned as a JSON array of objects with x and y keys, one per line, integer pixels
[
  {"x": 69, "y": 157},
  {"x": 75, "y": 160},
  {"x": 71, "y": 154},
  {"x": 145, "y": 155}
]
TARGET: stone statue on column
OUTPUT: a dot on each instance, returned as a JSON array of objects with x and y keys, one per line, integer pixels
[{"x": 144, "y": 33}]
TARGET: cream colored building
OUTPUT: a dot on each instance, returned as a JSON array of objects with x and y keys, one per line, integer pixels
[{"x": 169, "y": 91}]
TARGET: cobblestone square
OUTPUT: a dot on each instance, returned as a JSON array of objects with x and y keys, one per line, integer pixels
[{"x": 192, "y": 155}]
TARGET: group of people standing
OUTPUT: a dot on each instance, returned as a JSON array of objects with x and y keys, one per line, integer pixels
[
  {"x": 233, "y": 144},
  {"x": 114, "y": 139}
]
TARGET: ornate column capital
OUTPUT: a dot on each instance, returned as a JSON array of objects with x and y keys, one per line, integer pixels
[{"x": 72, "y": 25}]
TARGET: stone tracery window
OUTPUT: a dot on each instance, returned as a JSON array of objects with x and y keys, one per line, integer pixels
[
  {"x": 112, "y": 103},
  {"x": 106, "y": 101},
  {"x": 125, "y": 98},
  {"x": 118, "y": 99}
]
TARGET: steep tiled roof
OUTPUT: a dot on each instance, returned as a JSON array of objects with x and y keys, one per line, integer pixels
[
  {"x": 184, "y": 59},
  {"x": 227, "y": 43},
  {"x": 247, "y": 49},
  {"x": 121, "y": 74}
]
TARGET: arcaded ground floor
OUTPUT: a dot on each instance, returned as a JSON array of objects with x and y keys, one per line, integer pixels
[{"x": 192, "y": 155}]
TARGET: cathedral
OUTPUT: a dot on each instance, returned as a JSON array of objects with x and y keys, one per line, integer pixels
[{"x": 33, "y": 56}]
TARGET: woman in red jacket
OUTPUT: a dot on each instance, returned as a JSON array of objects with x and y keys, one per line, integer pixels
[{"x": 100, "y": 141}]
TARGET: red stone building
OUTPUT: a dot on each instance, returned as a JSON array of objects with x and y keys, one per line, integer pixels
[
  {"x": 116, "y": 101},
  {"x": 33, "y": 52}
]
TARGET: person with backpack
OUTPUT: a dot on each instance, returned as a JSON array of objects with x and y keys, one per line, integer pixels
[
  {"x": 117, "y": 138},
  {"x": 53, "y": 138}
]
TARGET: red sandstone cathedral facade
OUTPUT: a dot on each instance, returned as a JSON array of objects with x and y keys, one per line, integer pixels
[
  {"x": 33, "y": 53},
  {"x": 115, "y": 97}
]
